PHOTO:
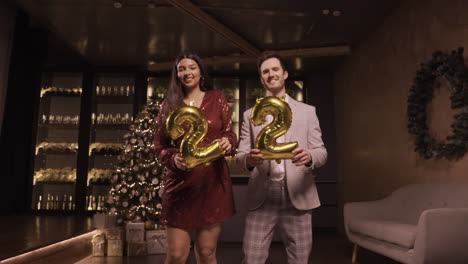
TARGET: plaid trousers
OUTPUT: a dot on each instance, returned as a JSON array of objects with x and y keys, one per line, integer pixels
[{"x": 277, "y": 210}]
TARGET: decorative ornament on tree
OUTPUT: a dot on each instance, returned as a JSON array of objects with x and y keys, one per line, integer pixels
[{"x": 149, "y": 224}]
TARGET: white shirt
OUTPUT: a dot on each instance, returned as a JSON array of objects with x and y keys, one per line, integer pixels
[{"x": 277, "y": 171}]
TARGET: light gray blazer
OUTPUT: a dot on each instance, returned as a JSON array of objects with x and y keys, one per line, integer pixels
[{"x": 300, "y": 181}]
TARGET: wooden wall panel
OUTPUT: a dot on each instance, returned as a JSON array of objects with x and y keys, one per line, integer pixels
[{"x": 375, "y": 151}]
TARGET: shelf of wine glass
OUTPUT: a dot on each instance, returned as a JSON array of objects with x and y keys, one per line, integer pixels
[
  {"x": 59, "y": 126},
  {"x": 47, "y": 95},
  {"x": 114, "y": 99},
  {"x": 112, "y": 126},
  {"x": 44, "y": 211},
  {"x": 69, "y": 152},
  {"x": 60, "y": 212},
  {"x": 119, "y": 126},
  {"x": 91, "y": 185},
  {"x": 39, "y": 183},
  {"x": 65, "y": 211},
  {"x": 55, "y": 211},
  {"x": 105, "y": 152},
  {"x": 60, "y": 148},
  {"x": 56, "y": 152}
]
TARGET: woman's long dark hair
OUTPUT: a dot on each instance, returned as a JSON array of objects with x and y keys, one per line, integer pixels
[{"x": 176, "y": 92}]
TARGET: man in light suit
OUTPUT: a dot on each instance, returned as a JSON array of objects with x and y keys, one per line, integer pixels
[{"x": 281, "y": 195}]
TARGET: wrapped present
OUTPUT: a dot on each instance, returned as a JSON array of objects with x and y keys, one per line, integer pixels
[
  {"x": 115, "y": 233},
  {"x": 99, "y": 245},
  {"x": 101, "y": 220},
  {"x": 156, "y": 241},
  {"x": 137, "y": 248},
  {"x": 135, "y": 232},
  {"x": 114, "y": 248}
]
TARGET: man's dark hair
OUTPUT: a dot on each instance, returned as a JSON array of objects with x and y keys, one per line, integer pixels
[{"x": 268, "y": 55}]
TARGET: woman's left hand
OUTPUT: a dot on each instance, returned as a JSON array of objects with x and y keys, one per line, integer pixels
[{"x": 225, "y": 144}]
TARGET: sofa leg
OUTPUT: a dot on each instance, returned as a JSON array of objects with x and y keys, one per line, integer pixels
[{"x": 353, "y": 258}]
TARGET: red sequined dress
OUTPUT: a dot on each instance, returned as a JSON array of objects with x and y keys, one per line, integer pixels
[{"x": 203, "y": 195}]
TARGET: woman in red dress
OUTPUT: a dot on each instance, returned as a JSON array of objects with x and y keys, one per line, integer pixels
[{"x": 199, "y": 199}]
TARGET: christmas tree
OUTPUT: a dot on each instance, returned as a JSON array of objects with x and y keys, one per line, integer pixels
[{"x": 136, "y": 184}]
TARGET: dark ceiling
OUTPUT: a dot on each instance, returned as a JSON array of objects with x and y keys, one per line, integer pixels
[{"x": 136, "y": 35}]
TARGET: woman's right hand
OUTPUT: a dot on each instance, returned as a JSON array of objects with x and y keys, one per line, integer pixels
[{"x": 179, "y": 161}]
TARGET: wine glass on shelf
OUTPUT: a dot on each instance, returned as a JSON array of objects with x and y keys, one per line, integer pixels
[
  {"x": 100, "y": 118},
  {"x": 113, "y": 118},
  {"x": 107, "y": 118}
]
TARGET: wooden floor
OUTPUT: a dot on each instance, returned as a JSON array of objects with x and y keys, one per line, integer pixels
[
  {"x": 20, "y": 234},
  {"x": 23, "y": 233},
  {"x": 328, "y": 248}
]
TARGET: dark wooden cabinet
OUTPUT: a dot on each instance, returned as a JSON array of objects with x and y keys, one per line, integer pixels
[
  {"x": 58, "y": 169},
  {"x": 56, "y": 146}
]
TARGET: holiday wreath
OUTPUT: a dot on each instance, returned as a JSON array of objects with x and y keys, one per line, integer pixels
[{"x": 451, "y": 66}]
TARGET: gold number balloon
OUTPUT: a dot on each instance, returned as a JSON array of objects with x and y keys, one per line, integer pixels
[
  {"x": 282, "y": 119},
  {"x": 193, "y": 155}
]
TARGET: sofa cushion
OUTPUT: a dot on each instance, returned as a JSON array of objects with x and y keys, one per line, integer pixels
[{"x": 397, "y": 233}]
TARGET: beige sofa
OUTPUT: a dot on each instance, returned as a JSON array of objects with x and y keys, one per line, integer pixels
[{"x": 416, "y": 224}]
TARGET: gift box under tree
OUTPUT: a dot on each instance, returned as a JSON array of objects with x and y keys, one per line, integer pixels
[
  {"x": 115, "y": 233},
  {"x": 101, "y": 220},
  {"x": 99, "y": 245},
  {"x": 114, "y": 248},
  {"x": 156, "y": 241},
  {"x": 136, "y": 248},
  {"x": 135, "y": 232}
]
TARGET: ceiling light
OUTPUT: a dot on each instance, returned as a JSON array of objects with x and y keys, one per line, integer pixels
[
  {"x": 151, "y": 4},
  {"x": 298, "y": 63},
  {"x": 118, "y": 3},
  {"x": 337, "y": 13},
  {"x": 325, "y": 12}
]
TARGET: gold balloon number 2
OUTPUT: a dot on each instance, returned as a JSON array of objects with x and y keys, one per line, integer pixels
[
  {"x": 282, "y": 119},
  {"x": 193, "y": 155}
]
